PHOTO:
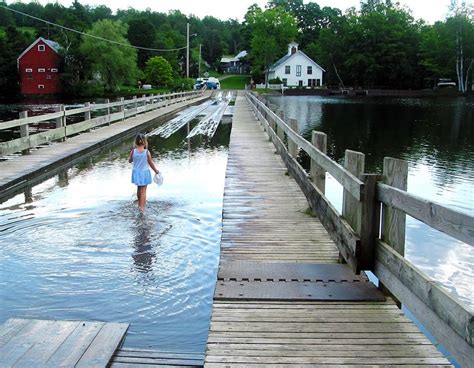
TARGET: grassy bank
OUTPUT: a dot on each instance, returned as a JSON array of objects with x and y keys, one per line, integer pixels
[{"x": 235, "y": 82}]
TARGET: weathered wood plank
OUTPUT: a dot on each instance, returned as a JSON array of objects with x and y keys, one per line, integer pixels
[
  {"x": 452, "y": 222},
  {"x": 103, "y": 346}
]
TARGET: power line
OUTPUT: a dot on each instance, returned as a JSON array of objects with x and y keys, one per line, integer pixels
[{"x": 89, "y": 35}]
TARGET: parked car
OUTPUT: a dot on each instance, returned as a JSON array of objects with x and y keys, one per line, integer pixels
[{"x": 211, "y": 83}]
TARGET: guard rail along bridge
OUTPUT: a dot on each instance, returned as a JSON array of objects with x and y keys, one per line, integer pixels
[{"x": 291, "y": 288}]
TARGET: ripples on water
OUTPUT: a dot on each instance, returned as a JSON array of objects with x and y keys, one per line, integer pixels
[
  {"x": 82, "y": 250},
  {"x": 435, "y": 136}
]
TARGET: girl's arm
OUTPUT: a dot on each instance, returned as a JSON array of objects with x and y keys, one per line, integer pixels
[
  {"x": 151, "y": 163},
  {"x": 130, "y": 156}
]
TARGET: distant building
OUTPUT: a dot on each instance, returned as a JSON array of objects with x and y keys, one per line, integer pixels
[
  {"x": 235, "y": 65},
  {"x": 38, "y": 67},
  {"x": 296, "y": 69}
]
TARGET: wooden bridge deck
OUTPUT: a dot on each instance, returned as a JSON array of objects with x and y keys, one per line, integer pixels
[
  {"x": 266, "y": 223},
  {"x": 17, "y": 173}
]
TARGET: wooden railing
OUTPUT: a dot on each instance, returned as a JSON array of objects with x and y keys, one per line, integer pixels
[
  {"x": 370, "y": 232},
  {"x": 107, "y": 113}
]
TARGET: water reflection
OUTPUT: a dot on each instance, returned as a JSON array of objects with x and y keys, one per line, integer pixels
[{"x": 144, "y": 255}]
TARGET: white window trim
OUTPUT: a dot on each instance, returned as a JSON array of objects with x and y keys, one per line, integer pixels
[
  {"x": 289, "y": 69},
  {"x": 40, "y": 86},
  {"x": 298, "y": 70},
  {"x": 41, "y": 48},
  {"x": 41, "y": 70},
  {"x": 309, "y": 70},
  {"x": 28, "y": 70},
  {"x": 54, "y": 70}
]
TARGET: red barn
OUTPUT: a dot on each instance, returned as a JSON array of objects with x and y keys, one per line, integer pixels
[{"x": 38, "y": 67}]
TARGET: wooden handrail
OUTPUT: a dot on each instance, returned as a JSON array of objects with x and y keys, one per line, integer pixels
[
  {"x": 63, "y": 130},
  {"x": 457, "y": 224}
]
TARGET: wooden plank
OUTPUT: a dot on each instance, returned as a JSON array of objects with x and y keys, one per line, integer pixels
[
  {"x": 104, "y": 345},
  {"x": 74, "y": 347},
  {"x": 435, "y": 297},
  {"x": 452, "y": 222},
  {"x": 354, "y": 162},
  {"x": 293, "y": 148},
  {"x": 78, "y": 127},
  {"x": 14, "y": 145},
  {"x": 45, "y": 137},
  {"x": 11, "y": 328},
  {"x": 46, "y": 344}
]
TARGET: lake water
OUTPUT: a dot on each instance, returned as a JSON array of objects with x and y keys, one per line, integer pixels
[
  {"x": 81, "y": 249},
  {"x": 435, "y": 136}
]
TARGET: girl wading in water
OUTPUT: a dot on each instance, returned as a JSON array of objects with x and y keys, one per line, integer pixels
[{"x": 142, "y": 161}]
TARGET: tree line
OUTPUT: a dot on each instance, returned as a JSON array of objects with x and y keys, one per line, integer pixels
[
  {"x": 92, "y": 65},
  {"x": 379, "y": 45}
]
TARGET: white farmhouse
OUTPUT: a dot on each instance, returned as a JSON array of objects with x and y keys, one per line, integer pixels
[{"x": 296, "y": 69}]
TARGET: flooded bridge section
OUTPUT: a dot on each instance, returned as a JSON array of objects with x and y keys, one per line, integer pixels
[
  {"x": 291, "y": 287},
  {"x": 42, "y": 158}
]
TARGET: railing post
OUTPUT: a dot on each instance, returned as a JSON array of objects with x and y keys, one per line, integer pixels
[
  {"x": 370, "y": 222},
  {"x": 87, "y": 113},
  {"x": 24, "y": 132},
  {"x": 395, "y": 174},
  {"x": 135, "y": 106},
  {"x": 352, "y": 208},
  {"x": 60, "y": 122},
  {"x": 318, "y": 174},
  {"x": 279, "y": 130},
  {"x": 354, "y": 162},
  {"x": 109, "y": 118},
  {"x": 292, "y": 146},
  {"x": 122, "y": 107}
]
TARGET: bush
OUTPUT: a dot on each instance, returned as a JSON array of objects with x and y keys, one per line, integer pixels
[
  {"x": 275, "y": 81},
  {"x": 182, "y": 84}
]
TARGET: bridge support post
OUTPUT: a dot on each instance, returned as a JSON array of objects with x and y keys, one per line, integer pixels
[
  {"x": 61, "y": 122},
  {"x": 354, "y": 162},
  {"x": 395, "y": 174},
  {"x": 293, "y": 148},
  {"x": 107, "y": 101},
  {"x": 24, "y": 132},
  {"x": 279, "y": 130},
  {"x": 122, "y": 107},
  {"x": 318, "y": 174}
]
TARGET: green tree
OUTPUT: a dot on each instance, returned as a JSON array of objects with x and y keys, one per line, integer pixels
[
  {"x": 271, "y": 32},
  {"x": 141, "y": 32},
  {"x": 112, "y": 63},
  {"x": 158, "y": 71}
]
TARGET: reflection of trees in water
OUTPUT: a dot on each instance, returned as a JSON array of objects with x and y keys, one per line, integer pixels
[{"x": 434, "y": 132}]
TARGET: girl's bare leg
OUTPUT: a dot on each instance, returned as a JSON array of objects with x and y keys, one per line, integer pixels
[{"x": 141, "y": 197}]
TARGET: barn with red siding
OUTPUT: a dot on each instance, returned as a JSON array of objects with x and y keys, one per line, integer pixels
[{"x": 38, "y": 67}]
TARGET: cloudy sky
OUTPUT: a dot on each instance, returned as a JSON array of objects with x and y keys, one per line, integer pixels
[{"x": 430, "y": 10}]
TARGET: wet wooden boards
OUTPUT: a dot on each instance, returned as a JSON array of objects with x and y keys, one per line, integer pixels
[{"x": 49, "y": 343}]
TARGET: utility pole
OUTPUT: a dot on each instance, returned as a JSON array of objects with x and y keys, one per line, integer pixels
[
  {"x": 187, "y": 50},
  {"x": 199, "y": 71}
]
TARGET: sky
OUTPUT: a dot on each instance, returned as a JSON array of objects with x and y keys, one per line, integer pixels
[{"x": 429, "y": 10}]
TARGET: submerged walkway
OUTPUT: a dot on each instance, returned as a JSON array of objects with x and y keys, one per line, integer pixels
[
  {"x": 281, "y": 299},
  {"x": 26, "y": 170}
]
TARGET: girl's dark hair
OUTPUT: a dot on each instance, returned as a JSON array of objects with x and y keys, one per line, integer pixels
[{"x": 140, "y": 140}]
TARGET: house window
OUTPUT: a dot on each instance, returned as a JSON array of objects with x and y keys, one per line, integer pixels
[
  {"x": 298, "y": 70},
  {"x": 318, "y": 82},
  {"x": 287, "y": 69},
  {"x": 29, "y": 76},
  {"x": 54, "y": 70},
  {"x": 29, "y": 70},
  {"x": 310, "y": 83},
  {"x": 41, "y": 48},
  {"x": 300, "y": 83},
  {"x": 41, "y": 70},
  {"x": 285, "y": 82},
  {"x": 40, "y": 86},
  {"x": 310, "y": 69}
]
